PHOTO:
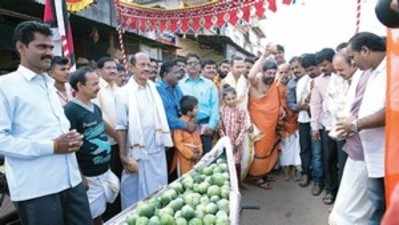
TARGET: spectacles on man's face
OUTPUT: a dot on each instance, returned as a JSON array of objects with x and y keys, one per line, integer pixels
[{"x": 192, "y": 63}]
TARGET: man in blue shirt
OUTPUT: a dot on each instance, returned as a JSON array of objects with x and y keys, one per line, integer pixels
[
  {"x": 208, "y": 100},
  {"x": 171, "y": 95},
  {"x": 41, "y": 167}
]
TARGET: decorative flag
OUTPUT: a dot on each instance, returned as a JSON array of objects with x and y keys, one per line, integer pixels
[
  {"x": 288, "y": 2},
  {"x": 55, "y": 14},
  {"x": 194, "y": 19},
  {"x": 272, "y": 5}
]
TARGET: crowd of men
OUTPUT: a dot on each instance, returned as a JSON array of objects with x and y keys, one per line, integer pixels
[{"x": 90, "y": 143}]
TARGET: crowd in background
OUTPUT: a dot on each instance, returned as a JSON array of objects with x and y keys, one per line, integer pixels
[{"x": 95, "y": 141}]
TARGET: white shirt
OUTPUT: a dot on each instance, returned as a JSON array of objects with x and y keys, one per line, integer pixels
[
  {"x": 106, "y": 100},
  {"x": 302, "y": 91},
  {"x": 373, "y": 140},
  {"x": 31, "y": 117},
  {"x": 336, "y": 98}
]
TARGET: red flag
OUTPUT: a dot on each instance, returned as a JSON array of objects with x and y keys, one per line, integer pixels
[
  {"x": 260, "y": 9},
  {"x": 185, "y": 25},
  {"x": 221, "y": 21},
  {"x": 195, "y": 24},
  {"x": 55, "y": 14},
  {"x": 233, "y": 18},
  {"x": 208, "y": 22},
  {"x": 246, "y": 13},
  {"x": 287, "y": 2},
  {"x": 272, "y": 5}
]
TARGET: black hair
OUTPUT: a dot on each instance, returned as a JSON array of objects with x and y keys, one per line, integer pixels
[
  {"x": 228, "y": 89},
  {"x": 132, "y": 59},
  {"x": 341, "y": 46},
  {"x": 167, "y": 67},
  {"x": 280, "y": 48},
  {"x": 208, "y": 62},
  {"x": 120, "y": 67},
  {"x": 249, "y": 60},
  {"x": 225, "y": 61},
  {"x": 25, "y": 31},
  {"x": 59, "y": 60},
  {"x": 79, "y": 76},
  {"x": 101, "y": 62},
  {"x": 369, "y": 40},
  {"x": 192, "y": 55},
  {"x": 386, "y": 15},
  {"x": 295, "y": 59},
  {"x": 236, "y": 58},
  {"x": 187, "y": 104},
  {"x": 308, "y": 60},
  {"x": 183, "y": 60},
  {"x": 326, "y": 54},
  {"x": 269, "y": 64}
]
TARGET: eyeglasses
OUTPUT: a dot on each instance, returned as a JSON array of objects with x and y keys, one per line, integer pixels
[{"x": 193, "y": 63}]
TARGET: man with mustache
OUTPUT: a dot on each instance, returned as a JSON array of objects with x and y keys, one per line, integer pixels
[
  {"x": 59, "y": 72},
  {"x": 223, "y": 69},
  {"x": 311, "y": 154},
  {"x": 265, "y": 109},
  {"x": 42, "y": 170},
  {"x": 195, "y": 84},
  {"x": 143, "y": 132},
  {"x": 94, "y": 156}
]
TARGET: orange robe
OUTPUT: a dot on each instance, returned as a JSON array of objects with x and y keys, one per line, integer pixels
[
  {"x": 186, "y": 144},
  {"x": 265, "y": 113}
]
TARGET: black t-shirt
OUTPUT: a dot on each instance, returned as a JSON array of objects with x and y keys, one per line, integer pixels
[{"x": 94, "y": 156}]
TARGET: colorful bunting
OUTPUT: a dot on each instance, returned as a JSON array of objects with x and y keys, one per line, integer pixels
[{"x": 214, "y": 14}]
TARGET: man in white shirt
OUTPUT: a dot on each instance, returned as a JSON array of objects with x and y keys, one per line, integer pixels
[
  {"x": 143, "y": 132},
  {"x": 311, "y": 153},
  {"x": 41, "y": 167},
  {"x": 106, "y": 100},
  {"x": 368, "y": 52}
]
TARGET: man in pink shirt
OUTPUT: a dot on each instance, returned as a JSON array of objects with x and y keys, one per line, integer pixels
[{"x": 321, "y": 125}]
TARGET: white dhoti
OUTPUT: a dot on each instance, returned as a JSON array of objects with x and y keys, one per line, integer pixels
[
  {"x": 290, "y": 151},
  {"x": 152, "y": 174},
  {"x": 103, "y": 189},
  {"x": 352, "y": 206},
  {"x": 141, "y": 112}
]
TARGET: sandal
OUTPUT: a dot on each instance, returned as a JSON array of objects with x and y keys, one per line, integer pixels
[
  {"x": 260, "y": 183},
  {"x": 266, "y": 186},
  {"x": 328, "y": 199}
]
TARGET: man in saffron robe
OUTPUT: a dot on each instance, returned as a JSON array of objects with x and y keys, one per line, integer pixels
[{"x": 265, "y": 109}]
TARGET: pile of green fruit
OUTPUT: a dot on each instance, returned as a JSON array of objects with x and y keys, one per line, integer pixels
[{"x": 201, "y": 197}]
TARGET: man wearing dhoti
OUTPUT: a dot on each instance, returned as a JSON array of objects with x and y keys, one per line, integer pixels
[
  {"x": 265, "y": 110},
  {"x": 143, "y": 133},
  {"x": 290, "y": 148}
]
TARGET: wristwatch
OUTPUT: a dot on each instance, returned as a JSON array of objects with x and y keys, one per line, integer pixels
[{"x": 354, "y": 127}]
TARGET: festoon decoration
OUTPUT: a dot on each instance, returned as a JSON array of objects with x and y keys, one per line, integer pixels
[{"x": 216, "y": 13}]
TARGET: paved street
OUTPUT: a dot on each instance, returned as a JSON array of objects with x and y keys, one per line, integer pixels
[{"x": 285, "y": 204}]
